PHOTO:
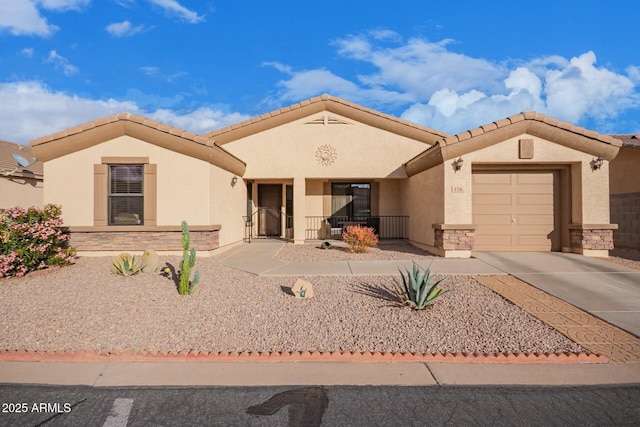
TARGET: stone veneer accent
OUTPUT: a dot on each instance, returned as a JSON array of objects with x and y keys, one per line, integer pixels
[
  {"x": 592, "y": 237},
  {"x": 454, "y": 236},
  {"x": 157, "y": 238},
  {"x": 625, "y": 211}
]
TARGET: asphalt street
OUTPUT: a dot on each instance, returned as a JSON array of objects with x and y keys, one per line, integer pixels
[{"x": 33, "y": 405}]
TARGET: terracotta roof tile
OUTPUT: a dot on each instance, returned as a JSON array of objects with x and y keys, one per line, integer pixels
[
  {"x": 489, "y": 127},
  {"x": 538, "y": 117},
  {"x": 629, "y": 141},
  {"x": 318, "y": 99}
]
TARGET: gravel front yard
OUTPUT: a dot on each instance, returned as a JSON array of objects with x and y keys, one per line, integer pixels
[
  {"x": 338, "y": 252},
  {"x": 84, "y": 307}
]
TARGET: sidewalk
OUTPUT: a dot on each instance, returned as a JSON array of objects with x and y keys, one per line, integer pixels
[{"x": 120, "y": 374}]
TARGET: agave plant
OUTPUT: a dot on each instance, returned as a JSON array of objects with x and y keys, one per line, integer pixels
[
  {"x": 417, "y": 290},
  {"x": 125, "y": 265}
]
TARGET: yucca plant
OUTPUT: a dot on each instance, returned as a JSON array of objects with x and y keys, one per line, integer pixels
[{"x": 417, "y": 290}]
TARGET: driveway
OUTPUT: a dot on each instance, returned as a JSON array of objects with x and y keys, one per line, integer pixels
[{"x": 606, "y": 290}]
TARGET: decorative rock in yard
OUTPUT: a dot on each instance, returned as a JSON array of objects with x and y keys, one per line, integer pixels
[
  {"x": 302, "y": 289},
  {"x": 150, "y": 261}
]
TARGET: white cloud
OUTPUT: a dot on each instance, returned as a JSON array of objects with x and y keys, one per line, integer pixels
[
  {"x": 581, "y": 89},
  {"x": 172, "y": 7},
  {"x": 63, "y": 5},
  {"x": 430, "y": 84},
  {"x": 27, "y": 52},
  {"x": 61, "y": 62},
  {"x": 22, "y": 18},
  {"x": 123, "y": 29},
  {"x": 30, "y": 109},
  {"x": 199, "y": 121}
]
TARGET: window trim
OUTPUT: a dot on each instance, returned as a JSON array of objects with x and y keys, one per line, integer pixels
[
  {"x": 101, "y": 190},
  {"x": 351, "y": 185},
  {"x": 111, "y": 195}
]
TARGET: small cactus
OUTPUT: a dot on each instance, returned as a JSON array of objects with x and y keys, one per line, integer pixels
[
  {"x": 150, "y": 261},
  {"x": 186, "y": 287}
]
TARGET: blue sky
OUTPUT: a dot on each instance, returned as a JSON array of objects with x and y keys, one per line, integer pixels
[{"x": 201, "y": 65}]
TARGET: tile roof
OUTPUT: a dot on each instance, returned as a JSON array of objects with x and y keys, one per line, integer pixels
[
  {"x": 100, "y": 130},
  {"x": 629, "y": 141},
  {"x": 324, "y": 103},
  {"x": 121, "y": 117},
  {"x": 532, "y": 116},
  {"x": 529, "y": 122},
  {"x": 8, "y": 163}
]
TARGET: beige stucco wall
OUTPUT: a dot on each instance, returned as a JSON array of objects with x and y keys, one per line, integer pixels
[
  {"x": 289, "y": 150},
  {"x": 624, "y": 172},
  {"x": 182, "y": 182},
  {"x": 228, "y": 204},
  {"x": 16, "y": 191},
  {"x": 314, "y": 200},
  {"x": 423, "y": 200},
  {"x": 588, "y": 186}
]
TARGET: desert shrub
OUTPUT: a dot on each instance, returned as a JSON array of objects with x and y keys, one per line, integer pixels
[
  {"x": 126, "y": 265},
  {"x": 418, "y": 290},
  {"x": 32, "y": 239},
  {"x": 360, "y": 238}
]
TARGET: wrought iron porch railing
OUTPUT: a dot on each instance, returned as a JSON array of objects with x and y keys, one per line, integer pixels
[
  {"x": 268, "y": 223},
  {"x": 331, "y": 227}
]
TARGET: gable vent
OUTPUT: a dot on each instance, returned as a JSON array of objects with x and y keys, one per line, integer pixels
[{"x": 327, "y": 120}]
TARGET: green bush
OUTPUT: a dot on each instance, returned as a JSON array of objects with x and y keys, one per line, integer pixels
[
  {"x": 32, "y": 239},
  {"x": 416, "y": 289},
  {"x": 126, "y": 265}
]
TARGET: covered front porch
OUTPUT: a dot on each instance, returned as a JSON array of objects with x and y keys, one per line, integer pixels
[{"x": 300, "y": 209}]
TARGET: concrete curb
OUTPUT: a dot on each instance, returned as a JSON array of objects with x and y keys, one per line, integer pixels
[{"x": 296, "y": 356}]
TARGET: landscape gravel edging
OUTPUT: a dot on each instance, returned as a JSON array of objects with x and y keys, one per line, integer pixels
[{"x": 295, "y": 356}]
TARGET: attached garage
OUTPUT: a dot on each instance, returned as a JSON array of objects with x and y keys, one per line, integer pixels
[
  {"x": 515, "y": 211},
  {"x": 524, "y": 183}
]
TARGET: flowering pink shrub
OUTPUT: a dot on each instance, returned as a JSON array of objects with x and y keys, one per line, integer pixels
[
  {"x": 32, "y": 239},
  {"x": 360, "y": 238}
]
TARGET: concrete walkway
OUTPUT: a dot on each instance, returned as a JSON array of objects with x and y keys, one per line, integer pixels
[{"x": 257, "y": 257}]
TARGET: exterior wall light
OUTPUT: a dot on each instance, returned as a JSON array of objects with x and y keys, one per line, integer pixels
[
  {"x": 597, "y": 163},
  {"x": 234, "y": 181},
  {"x": 457, "y": 164}
]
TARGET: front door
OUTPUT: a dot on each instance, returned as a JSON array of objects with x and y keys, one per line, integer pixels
[{"x": 269, "y": 210}]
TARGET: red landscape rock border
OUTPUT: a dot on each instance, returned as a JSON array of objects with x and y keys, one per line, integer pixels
[{"x": 296, "y": 356}]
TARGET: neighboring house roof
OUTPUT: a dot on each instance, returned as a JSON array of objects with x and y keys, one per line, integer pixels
[
  {"x": 319, "y": 104},
  {"x": 629, "y": 141},
  {"x": 101, "y": 130},
  {"x": 8, "y": 162},
  {"x": 528, "y": 122}
]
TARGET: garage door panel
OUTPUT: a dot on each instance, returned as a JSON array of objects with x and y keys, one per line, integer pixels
[
  {"x": 513, "y": 211},
  {"x": 488, "y": 220},
  {"x": 490, "y": 178},
  {"x": 494, "y": 242},
  {"x": 532, "y": 210},
  {"x": 534, "y": 220},
  {"x": 534, "y": 178},
  {"x": 493, "y": 199},
  {"x": 494, "y": 189},
  {"x": 534, "y": 243}
]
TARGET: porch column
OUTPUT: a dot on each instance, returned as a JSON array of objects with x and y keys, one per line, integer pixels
[{"x": 299, "y": 210}]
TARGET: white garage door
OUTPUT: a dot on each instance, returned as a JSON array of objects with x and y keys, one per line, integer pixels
[{"x": 514, "y": 211}]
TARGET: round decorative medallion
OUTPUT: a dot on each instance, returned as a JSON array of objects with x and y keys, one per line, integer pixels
[{"x": 326, "y": 155}]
